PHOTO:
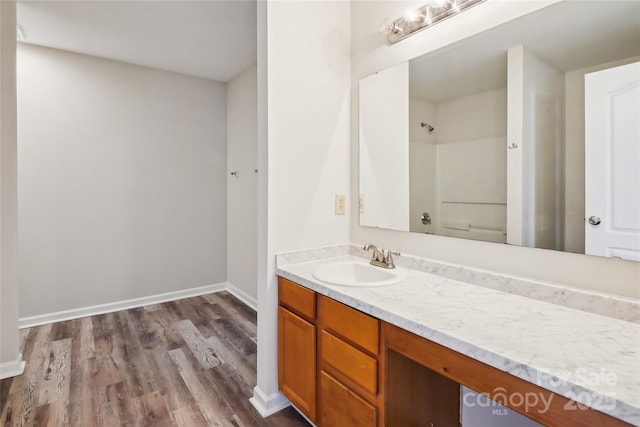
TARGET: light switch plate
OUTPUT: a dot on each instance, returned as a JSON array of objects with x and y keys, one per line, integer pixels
[{"x": 340, "y": 204}]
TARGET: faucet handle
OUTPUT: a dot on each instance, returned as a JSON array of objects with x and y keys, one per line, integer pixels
[{"x": 388, "y": 259}]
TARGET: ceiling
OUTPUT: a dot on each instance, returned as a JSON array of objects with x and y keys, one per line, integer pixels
[
  {"x": 212, "y": 39},
  {"x": 569, "y": 35}
]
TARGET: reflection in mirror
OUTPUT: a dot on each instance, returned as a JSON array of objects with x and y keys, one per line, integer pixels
[
  {"x": 457, "y": 155},
  {"x": 486, "y": 139},
  {"x": 384, "y": 149}
]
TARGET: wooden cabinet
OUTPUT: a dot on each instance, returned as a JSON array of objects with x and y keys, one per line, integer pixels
[
  {"x": 341, "y": 406},
  {"x": 341, "y": 357},
  {"x": 417, "y": 396},
  {"x": 297, "y": 299},
  {"x": 360, "y": 329},
  {"x": 342, "y": 367},
  {"x": 421, "y": 372},
  {"x": 327, "y": 358},
  {"x": 297, "y": 347},
  {"x": 348, "y": 342}
]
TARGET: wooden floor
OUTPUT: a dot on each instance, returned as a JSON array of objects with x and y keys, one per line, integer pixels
[{"x": 184, "y": 363}]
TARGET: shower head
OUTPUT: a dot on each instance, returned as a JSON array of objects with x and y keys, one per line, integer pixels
[{"x": 428, "y": 126}]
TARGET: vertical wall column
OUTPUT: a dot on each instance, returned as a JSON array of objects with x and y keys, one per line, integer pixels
[
  {"x": 11, "y": 363},
  {"x": 535, "y": 125},
  {"x": 266, "y": 397},
  {"x": 303, "y": 151}
]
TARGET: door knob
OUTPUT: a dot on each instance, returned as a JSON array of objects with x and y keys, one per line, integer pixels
[
  {"x": 426, "y": 218},
  {"x": 594, "y": 220}
]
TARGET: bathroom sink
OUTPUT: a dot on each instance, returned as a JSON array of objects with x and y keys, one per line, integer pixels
[{"x": 358, "y": 274}]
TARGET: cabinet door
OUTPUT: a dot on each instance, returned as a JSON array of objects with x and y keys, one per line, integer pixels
[{"x": 297, "y": 361}]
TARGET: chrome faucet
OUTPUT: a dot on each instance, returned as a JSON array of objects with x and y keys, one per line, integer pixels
[{"x": 380, "y": 258}]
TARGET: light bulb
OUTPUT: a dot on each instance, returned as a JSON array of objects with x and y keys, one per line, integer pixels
[
  {"x": 412, "y": 15},
  {"x": 389, "y": 26},
  {"x": 437, "y": 4}
]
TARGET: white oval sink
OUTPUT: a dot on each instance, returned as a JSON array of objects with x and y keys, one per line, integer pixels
[{"x": 350, "y": 273}]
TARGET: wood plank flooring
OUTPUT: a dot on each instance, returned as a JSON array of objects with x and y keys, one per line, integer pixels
[{"x": 185, "y": 363}]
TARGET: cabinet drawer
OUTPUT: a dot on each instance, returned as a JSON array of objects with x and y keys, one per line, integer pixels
[
  {"x": 297, "y": 298},
  {"x": 351, "y": 324},
  {"x": 351, "y": 362},
  {"x": 341, "y": 407}
]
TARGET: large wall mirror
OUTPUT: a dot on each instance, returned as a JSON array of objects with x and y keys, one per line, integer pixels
[{"x": 526, "y": 134}]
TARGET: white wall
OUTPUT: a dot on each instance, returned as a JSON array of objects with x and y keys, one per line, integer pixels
[
  {"x": 304, "y": 70},
  {"x": 308, "y": 91},
  {"x": 122, "y": 181},
  {"x": 10, "y": 358},
  {"x": 369, "y": 54},
  {"x": 242, "y": 191}
]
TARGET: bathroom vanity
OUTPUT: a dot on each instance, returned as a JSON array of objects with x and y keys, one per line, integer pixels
[{"x": 397, "y": 355}]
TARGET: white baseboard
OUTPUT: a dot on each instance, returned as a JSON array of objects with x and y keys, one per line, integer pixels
[
  {"x": 13, "y": 368},
  {"x": 268, "y": 404},
  {"x": 60, "y": 316},
  {"x": 243, "y": 296}
]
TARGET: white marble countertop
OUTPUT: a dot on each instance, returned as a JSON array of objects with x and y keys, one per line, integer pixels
[{"x": 586, "y": 357}]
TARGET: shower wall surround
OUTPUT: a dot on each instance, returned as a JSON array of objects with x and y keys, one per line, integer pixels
[{"x": 465, "y": 164}]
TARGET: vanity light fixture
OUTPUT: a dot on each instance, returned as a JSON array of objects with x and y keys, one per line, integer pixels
[{"x": 426, "y": 16}]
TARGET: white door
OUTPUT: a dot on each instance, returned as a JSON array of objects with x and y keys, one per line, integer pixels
[{"x": 612, "y": 162}]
